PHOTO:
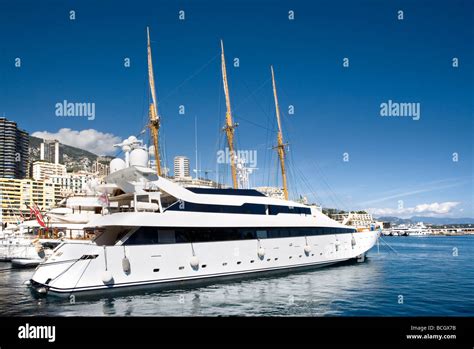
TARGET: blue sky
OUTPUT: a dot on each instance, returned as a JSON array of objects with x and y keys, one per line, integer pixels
[{"x": 337, "y": 109}]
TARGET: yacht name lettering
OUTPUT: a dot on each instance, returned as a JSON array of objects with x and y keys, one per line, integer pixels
[
  {"x": 37, "y": 332},
  {"x": 410, "y": 109}
]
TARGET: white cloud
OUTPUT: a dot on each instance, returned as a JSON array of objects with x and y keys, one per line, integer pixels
[
  {"x": 428, "y": 187},
  {"x": 433, "y": 209},
  {"x": 91, "y": 140}
]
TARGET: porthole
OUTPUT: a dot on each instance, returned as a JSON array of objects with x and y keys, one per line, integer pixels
[
  {"x": 156, "y": 270},
  {"x": 181, "y": 268}
]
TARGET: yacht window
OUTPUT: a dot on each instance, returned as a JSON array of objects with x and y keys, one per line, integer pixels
[
  {"x": 154, "y": 235},
  {"x": 247, "y": 208},
  {"x": 247, "y": 234},
  {"x": 121, "y": 235},
  {"x": 166, "y": 237},
  {"x": 143, "y": 236}
]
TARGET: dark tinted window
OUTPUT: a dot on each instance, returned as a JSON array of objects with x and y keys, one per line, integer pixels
[
  {"x": 275, "y": 209},
  {"x": 192, "y": 207},
  {"x": 245, "y": 208},
  {"x": 143, "y": 236},
  {"x": 150, "y": 235},
  {"x": 212, "y": 191}
]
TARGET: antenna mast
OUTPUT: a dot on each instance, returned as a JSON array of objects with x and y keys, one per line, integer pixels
[
  {"x": 281, "y": 146},
  {"x": 229, "y": 127},
  {"x": 154, "y": 124}
]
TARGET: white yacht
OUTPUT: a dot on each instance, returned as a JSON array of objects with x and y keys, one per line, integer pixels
[
  {"x": 170, "y": 235},
  {"x": 418, "y": 229},
  {"x": 17, "y": 247},
  {"x": 28, "y": 243},
  {"x": 161, "y": 234}
]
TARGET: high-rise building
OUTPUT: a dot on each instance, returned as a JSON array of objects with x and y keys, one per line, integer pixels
[
  {"x": 50, "y": 151},
  {"x": 101, "y": 167},
  {"x": 181, "y": 167},
  {"x": 14, "y": 145},
  {"x": 44, "y": 170}
]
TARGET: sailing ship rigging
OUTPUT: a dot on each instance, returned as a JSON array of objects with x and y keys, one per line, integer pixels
[
  {"x": 154, "y": 124},
  {"x": 280, "y": 147},
  {"x": 230, "y": 126}
]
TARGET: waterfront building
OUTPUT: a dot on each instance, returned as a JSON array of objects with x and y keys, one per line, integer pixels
[
  {"x": 14, "y": 144},
  {"x": 44, "y": 170},
  {"x": 72, "y": 183},
  {"x": 196, "y": 182},
  {"x": 361, "y": 220},
  {"x": 17, "y": 194},
  {"x": 101, "y": 167},
  {"x": 272, "y": 192},
  {"x": 181, "y": 167}
]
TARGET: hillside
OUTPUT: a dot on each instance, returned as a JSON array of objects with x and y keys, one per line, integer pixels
[{"x": 74, "y": 158}]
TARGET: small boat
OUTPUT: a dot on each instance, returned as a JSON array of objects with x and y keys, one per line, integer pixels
[
  {"x": 18, "y": 247},
  {"x": 26, "y": 262}
]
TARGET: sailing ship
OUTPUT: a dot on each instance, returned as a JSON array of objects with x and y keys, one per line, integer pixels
[{"x": 165, "y": 235}]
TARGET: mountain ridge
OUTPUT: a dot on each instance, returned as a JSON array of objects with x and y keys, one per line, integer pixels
[
  {"x": 74, "y": 158},
  {"x": 429, "y": 220}
]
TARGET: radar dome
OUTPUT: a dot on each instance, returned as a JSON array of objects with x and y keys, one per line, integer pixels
[
  {"x": 139, "y": 157},
  {"x": 126, "y": 148},
  {"x": 116, "y": 164},
  {"x": 132, "y": 139},
  {"x": 151, "y": 150}
]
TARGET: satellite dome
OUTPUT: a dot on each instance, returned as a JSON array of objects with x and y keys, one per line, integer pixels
[
  {"x": 116, "y": 165},
  {"x": 132, "y": 139},
  {"x": 139, "y": 157}
]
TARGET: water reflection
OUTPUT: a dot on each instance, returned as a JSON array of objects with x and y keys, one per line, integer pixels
[{"x": 364, "y": 289}]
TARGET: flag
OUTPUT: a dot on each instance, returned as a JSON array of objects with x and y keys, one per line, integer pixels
[
  {"x": 104, "y": 199},
  {"x": 39, "y": 217}
]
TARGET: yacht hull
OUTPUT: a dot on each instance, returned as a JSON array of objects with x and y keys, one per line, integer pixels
[{"x": 91, "y": 269}]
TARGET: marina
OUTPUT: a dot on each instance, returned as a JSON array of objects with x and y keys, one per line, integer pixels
[
  {"x": 368, "y": 289},
  {"x": 137, "y": 229},
  {"x": 160, "y": 234},
  {"x": 236, "y": 165}
]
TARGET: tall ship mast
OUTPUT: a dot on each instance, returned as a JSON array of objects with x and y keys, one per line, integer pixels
[
  {"x": 154, "y": 124},
  {"x": 229, "y": 127},
  {"x": 280, "y": 147}
]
